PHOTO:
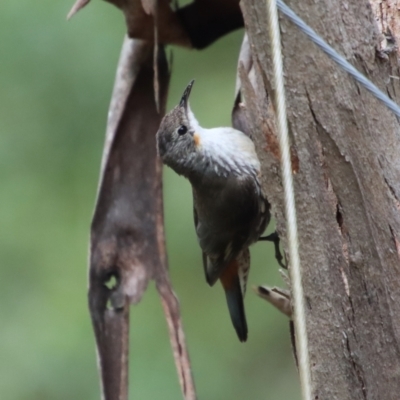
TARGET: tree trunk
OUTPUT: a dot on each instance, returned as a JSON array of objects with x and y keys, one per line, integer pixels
[{"x": 346, "y": 153}]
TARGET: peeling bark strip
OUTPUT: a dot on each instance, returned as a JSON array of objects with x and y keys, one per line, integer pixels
[
  {"x": 127, "y": 236},
  {"x": 197, "y": 24},
  {"x": 348, "y": 147}
]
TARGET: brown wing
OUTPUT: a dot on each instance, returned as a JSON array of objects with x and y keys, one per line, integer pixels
[
  {"x": 196, "y": 222},
  {"x": 229, "y": 224}
]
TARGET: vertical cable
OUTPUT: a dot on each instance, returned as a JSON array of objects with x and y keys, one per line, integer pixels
[{"x": 290, "y": 208}]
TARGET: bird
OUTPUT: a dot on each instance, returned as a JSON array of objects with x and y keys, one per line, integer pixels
[{"x": 229, "y": 207}]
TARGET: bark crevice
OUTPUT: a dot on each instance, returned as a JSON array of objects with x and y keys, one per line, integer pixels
[{"x": 347, "y": 144}]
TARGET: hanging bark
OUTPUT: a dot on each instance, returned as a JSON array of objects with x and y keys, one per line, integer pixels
[
  {"x": 345, "y": 157},
  {"x": 127, "y": 232},
  {"x": 197, "y": 24},
  {"x": 347, "y": 190}
]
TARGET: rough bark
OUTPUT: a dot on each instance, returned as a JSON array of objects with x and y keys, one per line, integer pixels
[{"x": 347, "y": 185}]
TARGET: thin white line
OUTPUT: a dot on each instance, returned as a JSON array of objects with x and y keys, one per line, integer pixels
[
  {"x": 290, "y": 208},
  {"x": 340, "y": 60}
]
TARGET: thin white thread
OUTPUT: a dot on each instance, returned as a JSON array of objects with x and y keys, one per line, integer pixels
[
  {"x": 340, "y": 60},
  {"x": 290, "y": 208}
]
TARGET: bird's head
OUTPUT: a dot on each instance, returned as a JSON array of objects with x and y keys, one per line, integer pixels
[{"x": 177, "y": 140}]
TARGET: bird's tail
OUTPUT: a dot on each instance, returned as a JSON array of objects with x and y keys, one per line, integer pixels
[{"x": 234, "y": 291}]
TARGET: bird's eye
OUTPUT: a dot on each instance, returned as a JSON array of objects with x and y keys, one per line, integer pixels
[{"x": 182, "y": 130}]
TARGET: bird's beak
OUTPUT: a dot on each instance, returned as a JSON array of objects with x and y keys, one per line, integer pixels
[{"x": 185, "y": 97}]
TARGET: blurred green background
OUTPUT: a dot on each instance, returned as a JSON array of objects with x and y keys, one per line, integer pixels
[{"x": 55, "y": 84}]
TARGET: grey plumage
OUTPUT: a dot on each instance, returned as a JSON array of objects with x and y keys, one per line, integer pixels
[{"x": 230, "y": 211}]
